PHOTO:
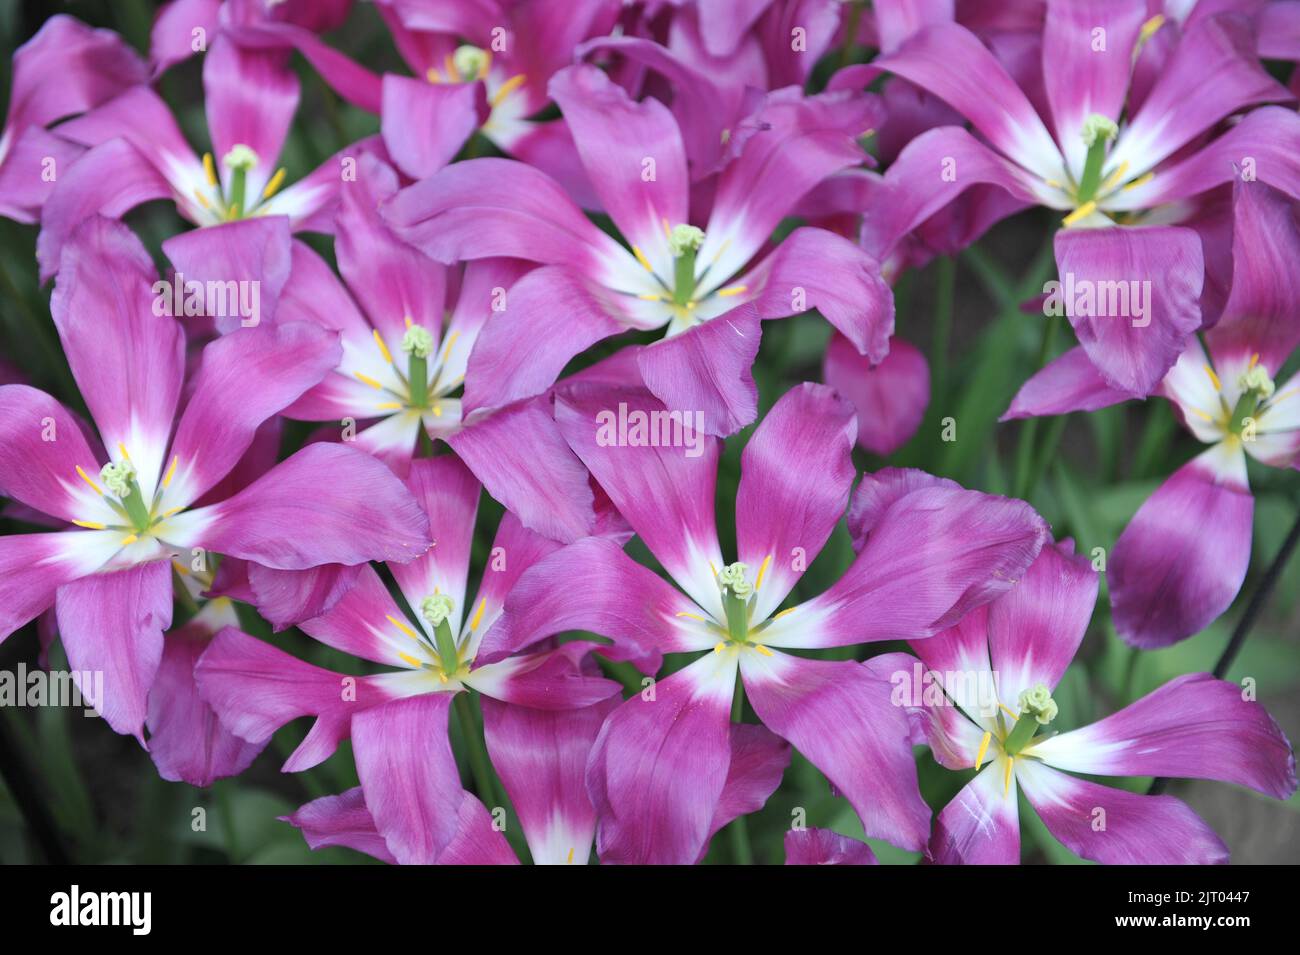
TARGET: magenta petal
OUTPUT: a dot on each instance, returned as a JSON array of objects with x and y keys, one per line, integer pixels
[
  {"x": 448, "y": 494},
  {"x": 477, "y": 840},
  {"x": 424, "y": 125},
  {"x": 242, "y": 380},
  {"x": 254, "y": 250},
  {"x": 41, "y": 447},
  {"x": 328, "y": 504},
  {"x": 796, "y": 472},
  {"x": 824, "y": 847},
  {"x": 186, "y": 740},
  {"x": 24, "y": 184},
  {"x": 890, "y": 397},
  {"x": 358, "y": 622},
  {"x": 1070, "y": 382},
  {"x": 878, "y": 492},
  {"x": 1182, "y": 558},
  {"x": 659, "y": 766},
  {"x": 981, "y": 826},
  {"x": 408, "y": 775},
  {"x": 113, "y": 623},
  {"x": 34, "y": 566},
  {"x": 1131, "y": 352},
  {"x": 840, "y": 716},
  {"x": 523, "y": 461},
  {"x": 541, "y": 757},
  {"x": 519, "y": 549},
  {"x": 172, "y": 37},
  {"x": 549, "y": 680},
  {"x": 1036, "y": 627},
  {"x": 1115, "y": 827},
  {"x": 286, "y": 597},
  {"x": 341, "y": 820},
  {"x": 758, "y": 761},
  {"x": 706, "y": 369},
  {"x": 1195, "y": 727}
]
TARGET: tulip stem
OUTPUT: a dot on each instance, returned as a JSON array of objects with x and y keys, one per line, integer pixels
[
  {"x": 742, "y": 853},
  {"x": 1247, "y": 621},
  {"x": 475, "y": 749}
]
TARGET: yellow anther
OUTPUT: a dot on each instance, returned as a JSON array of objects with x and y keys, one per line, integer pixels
[
  {"x": 180, "y": 568},
  {"x": 437, "y": 410},
  {"x": 1214, "y": 379},
  {"x": 1007, "y": 710},
  {"x": 168, "y": 513},
  {"x": 758, "y": 581},
  {"x": 210, "y": 169},
  {"x": 274, "y": 185},
  {"x": 1114, "y": 178},
  {"x": 401, "y": 626},
  {"x": 683, "y": 613},
  {"x": 85, "y": 478},
  {"x": 648, "y": 297},
  {"x": 389, "y": 406},
  {"x": 366, "y": 379},
  {"x": 508, "y": 87},
  {"x": 1006, "y": 775},
  {"x": 409, "y": 660},
  {"x": 171, "y": 471},
  {"x": 1140, "y": 181},
  {"x": 442, "y": 677},
  {"x": 121, "y": 449},
  {"x": 1085, "y": 210},
  {"x": 1053, "y": 183},
  {"x": 383, "y": 349},
  {"x": 446, "y": 349},
  {"x": 1150, "y": 27},
  {"x": 91, "y": 525},
  {"x": 1201, "y": 414},
  {"x": 984, "y": 748},
  {"x": 407, "y": 321},
  {"x": 478, "y": 614},
  {"x": 640, "y": 257},
  {"x": 784, "y": 612},
  {"x": 1254, "y": 360},
  {"x": 720, "y": 647},
  {"x": 570, "y": 855},
  {"x": 129, "y": 540},
  {"x": 432, "y": 75},
  {"x": 762, "y": 649},
  {"x": 203, "y": 200},
  {"x": 732, "y": 290}
]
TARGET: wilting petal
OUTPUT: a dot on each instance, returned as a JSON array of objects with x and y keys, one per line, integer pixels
[
  {"x": 286, "y": 597},
  {"x": 840, "y": 716},
  {"x": 1115, "y": 827},
  {"x": 707, "y": 369},
  {"x": 113, "y": 624},
  {"x": 523, "y": 461},
  {"x": 813, "y": 268},
  {"x": 1070, "y": 382},
  {"x": 541, "y": 757},
  {"x": 243, "y": 378},
  {"x": 824, "y": 847},
  {"x": 981, "y": 826},
  {"x": 890, "y": 397},
  {"x": 127, "y": 361},
  {"x": 1035, "y": 629},
  {"x": 934, "y": 555},
  {"x": 186, "y": 740},
  {"x": 592, "y": 585},
  {"x": 341, "y": 820},
  {"x": 1195, "y": 727},
  {"x": 253, "y": 253},
  {"x": 424, "y": 125},
  {"x": 795, "y": 476},
  {"x": 659, "y": 765},
  {"x": 758, "y": 761},
  {"x": 1181, "y": 560},
  {"x": 328, "y": 504},
  {"x": 408, "y": 775},
  {"x": 1162, "y": 267},
  {"x": 879, "y": 491},
  {"x": 664, "y": 489}
]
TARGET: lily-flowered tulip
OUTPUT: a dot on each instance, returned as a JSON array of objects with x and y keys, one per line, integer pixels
[
  {"x": 998, "y": 668},
  {"x": 661, "y": 767},
  {"x": 1129, "y": 151},
  {"x": 1182, "y": 559},
  {"x": 397, "y": 720},
  {"x": 673, "y": 274},
  {"x": 132, "y": 498},
  {"x": 65, "y": 69}
]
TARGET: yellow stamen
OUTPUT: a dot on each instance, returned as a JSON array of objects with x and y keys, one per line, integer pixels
[
  {"x": 1053, "y": 183},
  {"x": 762, "y": 649},
  {"x": 1140, "y": 181},
  {"x": 274, "y": 185},
  {"x": 437, "y": 410},
  {"x": 758, "y": 582},
  {"x": 442, "y": 677},
  {"x": 129, "y": 540},
  {"x": 640, "y": 257},
  {"x": 508, "y": 87},
  {"x": 389, "y": 406},
  {"x": 1150, "y": 27},
  {"x": 478, "y": 614},
  {"x": 1201, "y": 414},
  {"x": 401, "y": 626},
  {"x": 83, "y": 476},
  {"x": 409, "y": 660},
  {"x": 369, "y": 381},
  {"x": 784, "y": 612},
  {"x": 432, "y": 75},
  {"x": 91, "y": 525},
  {"x": 202, "y": 200},
  {"x": 171, "y": 471},
  {"x": 1005, "y": 709},
  {"x": 647, "y": 297},
  {"x": 181, "y": 568},
  {"x": 451, "y": 340},
  {"x": 1085, "y": 210},
  {"x": 683, "y": 613},
  {"x": 720, "y": 647},
  {"x": 168, "y": 513},
  {"x": 731, "y": 290},
  {"x": 121, "y": 448},
  {"x": 210, "y": 169},
  {"x": 1114, "y": 178},
  {"x": 571, "y": 855},
  {"x": 450, "y": 66},
  {"x": 407, "y": 321},
  {"x": 383, "y": 349},
  {"x": 1006, "y": 775},
  {"x": 1254, "y": 360},
  {"x": 984, "y": 748},
  {"x": 1214, "y": 379}
]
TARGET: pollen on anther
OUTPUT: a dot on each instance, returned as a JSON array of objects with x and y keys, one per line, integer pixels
[
  {"x": 85, "y": 478},
  {"x": 383, "y": 349}
]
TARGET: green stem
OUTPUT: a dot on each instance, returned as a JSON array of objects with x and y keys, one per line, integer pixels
[
  {"x": 475, "y": 749},
  {"x": 1029, "y": 431},
  {"x": 418, "y": 376},
  {"x": 742, "y": 852},
  {"x": 942, "y": 323},
  {"x": 684, "y": 277},
  {"x": 851, "y": 32}
]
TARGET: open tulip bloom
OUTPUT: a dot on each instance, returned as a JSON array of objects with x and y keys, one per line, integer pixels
[
  {"x": 411, "y": 807},
  {"x": 997, "y": 669},
  {"x": 660, "y": 770}
]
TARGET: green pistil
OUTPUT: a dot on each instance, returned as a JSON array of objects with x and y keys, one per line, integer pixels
[
  {"x": 239, "y": 160},
  {"x": 1097, "y": 132},
  {"x": 418, "y": 344},
  {"x": 435, "y": 610},
  {"x": 120, "y": 479},
  {"x": 1256, "y": 386},
  {"x": 1037, "y": 708},
  {"x": 736, "y": 591},
  {"x": 685, "y": 242}
]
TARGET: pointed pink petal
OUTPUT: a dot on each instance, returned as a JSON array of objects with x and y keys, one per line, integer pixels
[
  {"x": 287, "y": 597},
  {"x": 341, "y": 820},
  {"x": 424, "y": 125},
  {"x": 171, "y": 39},
  {"x": 1115, "y": 827},
  {"x": 25, "y": 182},
  {"x": 113, "y": 623},
  {"x": 550, "y": 680},
  {"x": 34, "y": 566},
  {"x": 981, "y": 826},
  {"x": 890, "y": 398},
  {"x": 358, "y": 622},
  {"x": 1182, "y": 558},
  {"x": 41, "y": 447},
  {"x": 477, "y": 840},
  {"x": 1070, "y": 382},
  {"x": 824, "y": 847},
  {"x": 758, "y": 761},
  {"x": 256, "y": 250}
]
